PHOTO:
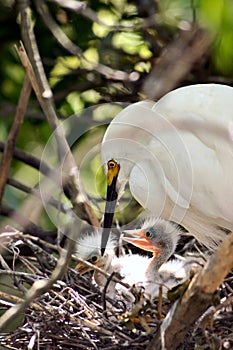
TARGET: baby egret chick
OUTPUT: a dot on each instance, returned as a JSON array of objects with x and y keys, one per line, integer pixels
[
  {"x": 88, "y": 248},
  {"x": 159, "y": 237},
  {"x": 130, "y": 268}
]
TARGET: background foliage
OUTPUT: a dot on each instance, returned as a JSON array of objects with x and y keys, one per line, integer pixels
[{"x": 98, "y": 56}]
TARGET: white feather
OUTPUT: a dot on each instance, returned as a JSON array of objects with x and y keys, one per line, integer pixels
[
  {"x": 89, "y": 244},
  {"x": 181, "y": 173}
]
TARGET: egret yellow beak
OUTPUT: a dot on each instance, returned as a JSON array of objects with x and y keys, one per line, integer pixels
[
  {"x": 111, "y": 199},
  {"x": 138, "y": 239}
]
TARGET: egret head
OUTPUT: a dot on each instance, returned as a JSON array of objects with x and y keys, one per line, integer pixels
[
  {"x": 88, "y": 248},
  {"x": 156, "y": 235},
  {"x": 125, "y": 162}
]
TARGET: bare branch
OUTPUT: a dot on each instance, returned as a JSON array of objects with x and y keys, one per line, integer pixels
[
  {"x": 73, "y": 5},
  {"x": 29, "y": 159},
  {"x": 196, "y": 299},
  {"x": 112, "y": 277},
  {"x": 34, "y": 191},
  {"x": 67, "y": 44},
  {"x": 38, "y": 288},
  {"x": 57, "y": 32},
  {"x": 35, "y": 71},
  {"x": 12, "y": 137},
  {"x": 176, "y": 62},
  {"x": 82, "y": 8},
  {"x": 27, "y": 225},
  {"x": 12, "y": 299}
]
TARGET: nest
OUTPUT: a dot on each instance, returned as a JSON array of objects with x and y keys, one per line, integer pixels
[{"x": 73, "y": 313}]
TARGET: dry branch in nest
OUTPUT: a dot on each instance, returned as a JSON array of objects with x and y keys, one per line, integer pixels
[{"x": 70, "y": 314}]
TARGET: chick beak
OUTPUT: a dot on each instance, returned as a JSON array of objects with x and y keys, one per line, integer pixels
[
  {"x": 111, "y": 199},
  {"x": 139, "y": 239},
  {"x": 82, "y": 268}
]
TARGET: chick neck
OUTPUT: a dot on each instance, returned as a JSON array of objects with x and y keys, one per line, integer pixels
[{"x": 158, "y": 260}]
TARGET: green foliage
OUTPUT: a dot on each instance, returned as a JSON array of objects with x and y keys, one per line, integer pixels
[
  {"x": 214, "y": 15},
  {"x": 217, "y": 16}
]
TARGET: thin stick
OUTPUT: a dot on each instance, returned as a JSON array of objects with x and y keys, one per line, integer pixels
[
  {"x": 35, "y": 192},
  {"x": 29, "y": 159},
  {"x": 176, "y": 62},
  {"x": 38, "y": 288},
  {"x": 75, "y": 50},
  {"x": 27, "y": 225},
  {"x": 34, "y": 68},
  {"x": 12, "y": 137}
]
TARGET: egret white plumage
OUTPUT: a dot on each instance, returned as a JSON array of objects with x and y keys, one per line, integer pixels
[
  {"x": 176, "y": 167},
  {"x": 88, "y": 248},
  {"x": 157, "y": 236}
]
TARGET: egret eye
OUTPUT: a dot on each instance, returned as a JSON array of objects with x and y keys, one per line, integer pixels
[
  {"x": 111, "y": 164},
  {"x": 148, "y": 234},
  {"x": 94, "y": 259}
]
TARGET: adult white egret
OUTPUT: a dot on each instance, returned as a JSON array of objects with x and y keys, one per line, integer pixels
[{"x": 177, "y": 155}]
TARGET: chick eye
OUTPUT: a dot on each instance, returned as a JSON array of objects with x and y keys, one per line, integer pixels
[
  {"x": 148, "y": 234},
  {"x": 94, "y": 259}
]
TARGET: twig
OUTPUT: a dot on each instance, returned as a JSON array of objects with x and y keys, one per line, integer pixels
[
  {"x": 36, "y": 74},
  {"x": 27, "y": 225},
  {"x": 12, "y": 137},
  {"x": 57, "y": 32},
  {"x": 196, "y": 300},
  {"x": 112, "y": 277},
  {"x": 15, "y": 280},
  {"x": 38, "y": 287},
  {"x": 18, "y": 274},
  {"x": 29, "y": 160},
  {"x": 176, "y": 61},
  {"x": 34, "y": 191},
  {"x": 83, "y": 9},
  {"x": 41, "y": 166},
  {"x": 67, "y": 44},
  {"x": 109, "y": 280},
  {"x": 14, "y": 299}
]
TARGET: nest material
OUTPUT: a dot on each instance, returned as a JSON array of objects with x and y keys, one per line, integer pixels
[{"x": 71, "y": 315}]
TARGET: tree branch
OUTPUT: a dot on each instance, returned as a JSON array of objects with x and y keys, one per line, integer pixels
[
  {"x": 196, "y": 299},
  {"x": 35, "y": 192},
  {"x": 12, "y": 137},
  {"x": 35, "y": 71},
  {"x": 176, "y": 62},
  {"x": 28, "y": 159},
  {"x": 27, "y": 225},
  {"x": 68, "y": 45},
  {"x": 38, "y": 288}
]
